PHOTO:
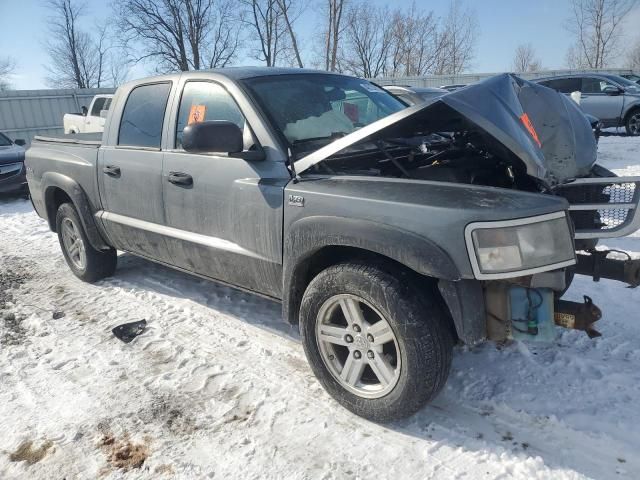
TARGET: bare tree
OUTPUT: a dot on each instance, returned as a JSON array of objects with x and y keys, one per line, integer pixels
[
  {"x": 597, "y": 27},
  {"x": 77, "y": 59},
  {"x": 416, "y": 42},
  {"x": 368, "y": 35},
  {"x": 179, "y": 35},
  {"x": 267, "y": 24},
  {"x": 633, "y": 56},
  {"x": 290, "y": 13},
  {"x": 333, "y": 32},
  {"x": 7, "y": 67},
  {"x": 459, "y": 36},
  {"x": 524, "y": 59}
]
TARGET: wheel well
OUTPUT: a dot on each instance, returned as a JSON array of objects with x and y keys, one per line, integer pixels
[
  {"x": 55, "y": 197},
  {"x": 631, "y": 111},
  {"x": 325, "y": 257}
]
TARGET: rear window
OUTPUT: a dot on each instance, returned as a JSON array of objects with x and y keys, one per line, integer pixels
[{"x": 143, "y": 116}]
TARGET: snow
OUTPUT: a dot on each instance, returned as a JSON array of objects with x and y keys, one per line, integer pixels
[{"x": 218, "y": 385}]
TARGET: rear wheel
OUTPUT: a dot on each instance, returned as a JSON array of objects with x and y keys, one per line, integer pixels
[
  {"x": 379, "y": 346},
  {"x": 85, "y": 262},
  {"x": 632, "y": 124}
]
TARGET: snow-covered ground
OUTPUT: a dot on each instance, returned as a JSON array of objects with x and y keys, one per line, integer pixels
[{"x": 218, "y": 386}]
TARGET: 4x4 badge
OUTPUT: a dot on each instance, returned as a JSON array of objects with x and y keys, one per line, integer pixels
[{"x": 296, "y": 200}]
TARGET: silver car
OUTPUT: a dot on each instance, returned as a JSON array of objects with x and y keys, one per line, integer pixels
[{"x": 611, "y": 98}]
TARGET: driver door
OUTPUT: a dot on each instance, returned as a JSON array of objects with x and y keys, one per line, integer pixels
[{"x": 225, "y": 220}]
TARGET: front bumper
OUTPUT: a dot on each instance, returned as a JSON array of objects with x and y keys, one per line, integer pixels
[{"x": 13, "y": 178}]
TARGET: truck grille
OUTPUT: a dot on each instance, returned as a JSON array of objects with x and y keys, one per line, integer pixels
[{"x": 603, "y": 207}]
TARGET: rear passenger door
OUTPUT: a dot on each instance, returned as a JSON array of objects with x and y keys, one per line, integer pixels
[
  {"x": 130, "y": 172},
  {"x": 226, "y": 222}
]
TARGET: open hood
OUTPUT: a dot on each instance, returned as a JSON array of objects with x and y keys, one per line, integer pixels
[{"x": 542, "y": 128}]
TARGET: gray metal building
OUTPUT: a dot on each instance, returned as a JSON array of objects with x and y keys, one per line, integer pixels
[{"x": 26, "y": 113}]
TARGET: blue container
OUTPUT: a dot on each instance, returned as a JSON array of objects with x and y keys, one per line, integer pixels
[{"x": 537, "y": 301}]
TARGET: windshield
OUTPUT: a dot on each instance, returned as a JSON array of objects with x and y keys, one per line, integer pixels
[
  {"x": 4, "y": 141},
  {"x": 312, "y": 109}
]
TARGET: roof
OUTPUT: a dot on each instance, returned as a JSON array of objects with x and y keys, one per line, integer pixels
[{"x": 239, "y": 73}]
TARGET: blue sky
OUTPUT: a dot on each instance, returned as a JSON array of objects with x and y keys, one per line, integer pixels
[{"x": 503, "y": 25}]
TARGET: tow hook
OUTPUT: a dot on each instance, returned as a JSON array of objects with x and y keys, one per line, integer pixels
[{"x": 579, "y": 316}]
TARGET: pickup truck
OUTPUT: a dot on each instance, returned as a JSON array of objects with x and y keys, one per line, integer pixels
[
  {"x": 91, "y": 120},
  {"x": 389, "y": 233}
]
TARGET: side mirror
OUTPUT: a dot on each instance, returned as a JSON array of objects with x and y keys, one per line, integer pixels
[
  {"x": 103, "y": 113},
  {"x": 20, "y": 142},
  {"x": 611, "y": 90},
  {"x": 212, "y": 137}
]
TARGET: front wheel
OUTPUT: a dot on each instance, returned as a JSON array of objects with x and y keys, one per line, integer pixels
[
  {"x": 632, "y": 125},
  {"x": 379, "y": 346},
  {"x": 85, "y": 262}
]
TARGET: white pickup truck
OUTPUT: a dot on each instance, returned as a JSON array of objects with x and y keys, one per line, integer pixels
[{"x": 91, "y": 120}]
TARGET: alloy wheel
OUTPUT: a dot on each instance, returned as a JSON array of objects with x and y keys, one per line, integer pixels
[
  {"x": 73, "y": 243},
  {"x": 358, "y": 346}
]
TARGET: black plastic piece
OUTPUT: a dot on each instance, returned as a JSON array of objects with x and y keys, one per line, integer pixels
[{"x": 128, "y": 331}]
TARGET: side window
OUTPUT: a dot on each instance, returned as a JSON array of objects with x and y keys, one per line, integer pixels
[
  {"x": 141, "y": 123},
  {"x": 564, "y": 85},
  {"x": 205, "y": 101},
  {"x": 98, "y": 105},
  {"x": 595, "y": 85}
]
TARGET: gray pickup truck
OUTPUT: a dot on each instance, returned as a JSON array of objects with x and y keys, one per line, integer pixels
[{"x": 389, "y": 233}]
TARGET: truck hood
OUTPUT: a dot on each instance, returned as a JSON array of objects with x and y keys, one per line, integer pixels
[
  {"x": 11, "y": 154},
  {"x": 542, "y": 128}
]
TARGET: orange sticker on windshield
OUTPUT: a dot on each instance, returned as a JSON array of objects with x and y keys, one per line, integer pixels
[
  {"x": 197, "y": 114},
  {"x": 524, "y": 118}
]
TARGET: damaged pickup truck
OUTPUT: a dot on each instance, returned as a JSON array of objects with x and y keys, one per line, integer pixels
[{"x": 388, "y": 233}]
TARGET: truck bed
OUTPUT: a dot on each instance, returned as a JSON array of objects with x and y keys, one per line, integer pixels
[{"x": 85, "y": 139}]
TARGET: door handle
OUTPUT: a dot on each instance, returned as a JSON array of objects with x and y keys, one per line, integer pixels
[
  {"x": 180, "y": 178},
  {"x": 112, "y": 170}
]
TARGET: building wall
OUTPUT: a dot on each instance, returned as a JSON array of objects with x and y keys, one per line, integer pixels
[{"x": 27, "y": 113}]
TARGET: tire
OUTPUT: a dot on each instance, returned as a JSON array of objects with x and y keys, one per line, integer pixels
[
  {"x": 632, "y": 123},
  {"x": 419, "y": 353},
  {"x": 86, "y": 263}
]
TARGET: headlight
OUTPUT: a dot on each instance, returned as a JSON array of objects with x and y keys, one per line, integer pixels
[{"x": 525, "y": 246}]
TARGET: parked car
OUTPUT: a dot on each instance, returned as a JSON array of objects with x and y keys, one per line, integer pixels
[
  {"x": 453, "y": 87},
  {"x": 412, "y": 95},
  {"x": 89, "y": 120},
  {"x": 632, "y": 77},
  {"x": 612, "y": 99},
  {"x": 12, "y": 172},
  {"x": 385, "y": 241}
]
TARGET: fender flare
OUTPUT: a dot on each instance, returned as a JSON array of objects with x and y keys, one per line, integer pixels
[
  {"x": 52, "y": 181},
  {"x": 308, "y": 236}
]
